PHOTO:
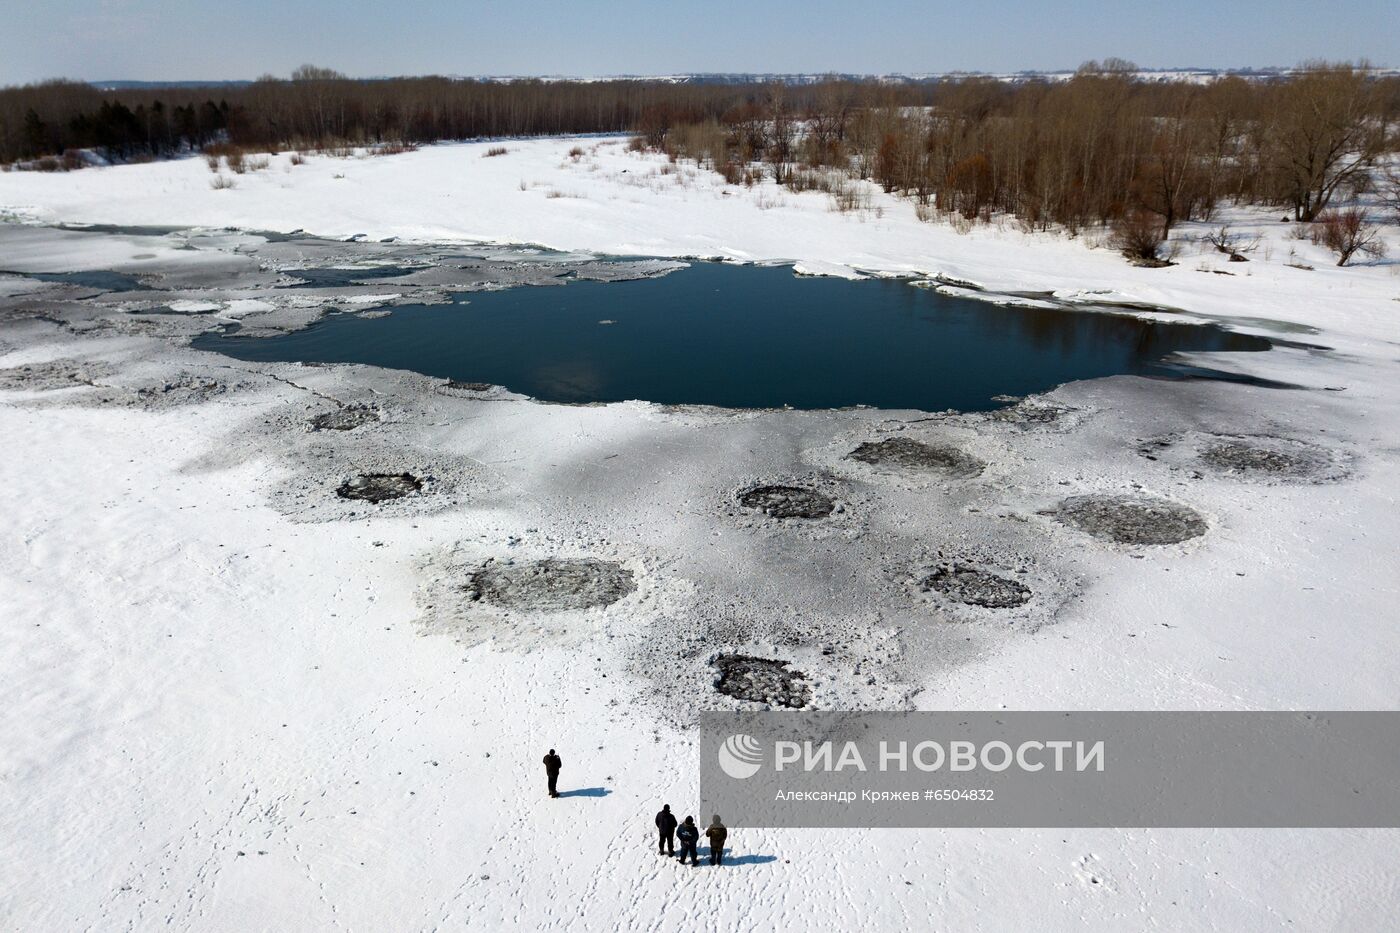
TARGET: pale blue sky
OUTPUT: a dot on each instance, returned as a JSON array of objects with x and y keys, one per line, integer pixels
[{"x": 202, "y": 39}]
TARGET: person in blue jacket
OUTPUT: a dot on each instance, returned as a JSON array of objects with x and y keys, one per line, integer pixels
[{"x": 689, "y": 835}]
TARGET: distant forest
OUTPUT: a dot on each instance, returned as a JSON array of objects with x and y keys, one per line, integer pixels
[
  {"x": 1100, "y": 147},
  {"x": 318, "y": 108}
]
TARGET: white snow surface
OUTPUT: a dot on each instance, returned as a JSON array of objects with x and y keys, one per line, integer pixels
[
  {"x": 213, "y": 717},
  {"x": 615, "y": 201}
]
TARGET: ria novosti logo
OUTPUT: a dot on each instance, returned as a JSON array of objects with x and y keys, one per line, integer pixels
[
  {"x": 740, "y": 756},
  {"x": 1048, "y": 769}
]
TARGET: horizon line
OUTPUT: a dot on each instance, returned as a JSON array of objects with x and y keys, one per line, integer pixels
[{"x": 677, "y": 75}]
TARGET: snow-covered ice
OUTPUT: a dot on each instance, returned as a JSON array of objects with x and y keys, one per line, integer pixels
[{"x": 233, "y": 699}]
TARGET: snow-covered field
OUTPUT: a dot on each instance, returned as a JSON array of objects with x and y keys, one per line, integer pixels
[
  {"x": 226, "y": 704},
  {"x": 614, "y": 201}
]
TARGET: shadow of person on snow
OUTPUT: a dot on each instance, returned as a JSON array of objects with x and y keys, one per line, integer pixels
[
  {"x": 736, "y": 859},
  {"x": 585, "y": 792}
]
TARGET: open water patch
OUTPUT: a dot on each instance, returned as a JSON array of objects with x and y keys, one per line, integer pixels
[
  {"x": 336, "y": 277},
  {"x": 96, "y": 279},
  {"x": 748, "y": 337}
]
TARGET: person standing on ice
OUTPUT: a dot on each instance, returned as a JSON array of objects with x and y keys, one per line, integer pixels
[
  {"x": 666, "y": 827},
  {"x": 552, "y": 764},
  {"x": 689, "y": 835},
  {"x": 717, "y": 832}
]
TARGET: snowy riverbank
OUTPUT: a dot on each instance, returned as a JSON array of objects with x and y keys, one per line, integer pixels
[{"x": 229, "y": 697}]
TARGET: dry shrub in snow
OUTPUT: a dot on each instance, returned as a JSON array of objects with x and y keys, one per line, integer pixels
[
  {"x": 804, "y": 179},
  {"x": 706, "y": 143},
  {"x": 926, "y": 212},
  {"x": 222, "y": 182},
  {"x": 733, "y": 172},
  {"x": 766, "y": 201},
  {"x": 227, "y": 151},
  {"x": 70, "y": 161},
  {"x": 1231, "y": 243},
  {"x": 847, "y": 196},
  {"x": 1347, "y": 233},
  {"x": 298, "y": 159},
  {"x": 494, "y": 151},
  {"x": 1295, "y": 263},
  {"x": 576, "y": 153},
  {"x": 1138, "y": 236},
  {"x": 960, "y": 224}
]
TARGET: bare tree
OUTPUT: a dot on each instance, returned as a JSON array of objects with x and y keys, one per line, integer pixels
[
  {"x": 782, "y": 131},
  {"x": 1225, "y": 121},
  {"x": 828, "y": 119},
  {"x": 1390, "y": 191},
  {"x": 1348, "y": 233},
  {"x": 1168, "y": 178},
  {"x": 1325, "y": 134}
]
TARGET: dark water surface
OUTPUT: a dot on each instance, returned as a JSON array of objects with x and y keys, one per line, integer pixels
[
  {"x": 340, "y": 278},
  {"x": 747, "y": 337},
  {"x": 106, "y": 281}
]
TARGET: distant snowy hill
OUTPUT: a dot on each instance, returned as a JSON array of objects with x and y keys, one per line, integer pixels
[{"x": 1200, "y": 75}]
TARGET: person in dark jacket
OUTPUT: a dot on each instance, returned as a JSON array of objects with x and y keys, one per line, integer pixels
[
  {"x": 689, "y": 835},
  {"x": 552, "y": 764},
  {"x": 716, "y": 832},
  {"x": 666, "y": 827}
]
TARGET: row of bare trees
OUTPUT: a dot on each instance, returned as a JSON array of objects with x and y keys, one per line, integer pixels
[
  {"x": 319, "y": 108},
  {"x": 1100, "y": 148}
]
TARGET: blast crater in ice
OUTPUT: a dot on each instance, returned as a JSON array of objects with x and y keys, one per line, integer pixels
[
  {"x": 551, "y": 584},
  {"x": 379, "y": 487},
  {"x": 1259, "y": 458},
  {"x": 908, "y": 454},
  {"x": 347, "y": 418},
  {"x": 777, "y": 501},
  {"x": 1130, "y": 519},
  {"x": 761, "y": 680},
  {"x": 973, "y": 587}
]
